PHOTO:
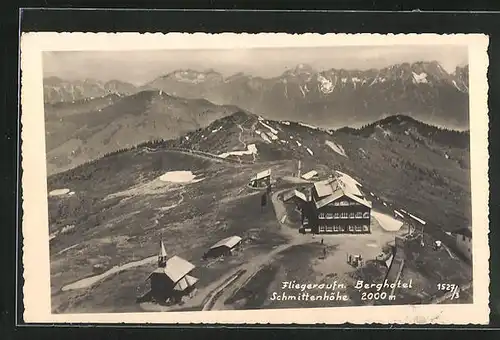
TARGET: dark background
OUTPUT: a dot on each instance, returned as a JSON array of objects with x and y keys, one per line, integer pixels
[{"x": 66, "y": 20}]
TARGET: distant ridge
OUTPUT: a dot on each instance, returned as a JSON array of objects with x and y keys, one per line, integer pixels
[{"x": 331, "y": 98}]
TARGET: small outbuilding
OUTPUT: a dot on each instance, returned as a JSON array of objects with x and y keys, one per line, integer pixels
[
  {"x": 224, "y": 247},
  {"x": 310, "y": 175},
  {"x": 261, "y": 180}
]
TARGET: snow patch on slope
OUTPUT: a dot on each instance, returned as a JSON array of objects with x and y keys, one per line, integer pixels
[
  {"x": 59, "y": 192},
  {"x": 265, "y": 138},
  {"x": 178, "y": 177},
  {"x": 272, "y": 135},
  {"x": 336, "y": 147},
  {"x": 302, "y": 91},
  {"x": 420, "y": 78},
  {"x": 387, "y": 222},
  {"x": 251, "y": 149},
  {"x": 308, "y": 126},
  {"x": 270, "y": 128},
  {"x": 456, "y": 85}
]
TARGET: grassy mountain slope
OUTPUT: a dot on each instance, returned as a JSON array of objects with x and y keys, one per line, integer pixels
[
  {"x": 86, "y": 130},
  {"x": 402, "y": 159},
  {"x": 120, "y": 209}
]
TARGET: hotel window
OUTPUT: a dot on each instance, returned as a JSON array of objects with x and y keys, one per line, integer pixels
[
  {"x": 336, "y": 216},
  {"x": 329, "y": 228},
  {"x": 344, "y": 203},
  {"x": 335, "y": 228},
  {"x": 321, "y": 228},
  {"x": 344, "y": 215},
  {"x": 329, "y": 216},
  {"x": 359, "y": 215},
  {"x": 358, "y": 228},
  {"x": 366, "y": 215},
  {"x": 336, "y": 203},
  {"x": 365, "y": 228},
  {"x": 321, "y": 216},
  {"x": 351, "y": 215},
  {"x": 351, "y": 228}
]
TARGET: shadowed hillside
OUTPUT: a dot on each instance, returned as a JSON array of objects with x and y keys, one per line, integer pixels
[{"x": 88, "y": 129}]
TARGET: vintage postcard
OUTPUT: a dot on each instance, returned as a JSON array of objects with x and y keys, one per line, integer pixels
[{"x": 255, "y": 178}]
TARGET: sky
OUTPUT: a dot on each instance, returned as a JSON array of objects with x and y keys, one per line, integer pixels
[{"x": 139, "y": 67}]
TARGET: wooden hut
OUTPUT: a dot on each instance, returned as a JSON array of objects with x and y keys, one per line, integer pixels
[
  {"x": 261, "y": 179},
  {"x": 224, "y": 247}
]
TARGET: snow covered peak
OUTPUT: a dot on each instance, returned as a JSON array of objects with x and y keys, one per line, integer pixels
[
  {"x": 194, "y": 77},
  {"x": 420, "y": 78},
  {"x": 300, "y": 70},
  {"x": 325, "y": 85}
]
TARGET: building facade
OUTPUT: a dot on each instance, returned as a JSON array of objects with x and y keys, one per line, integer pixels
[
  {"x": 335, "y": 208},
  {"x": 463, "y": 239}
]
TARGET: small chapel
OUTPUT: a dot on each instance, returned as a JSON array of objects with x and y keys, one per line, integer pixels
[{"x": 171, "y": 280}]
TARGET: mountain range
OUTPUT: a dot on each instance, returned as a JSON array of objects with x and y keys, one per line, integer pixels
[
  {"x": 329, "y": 99},
  {"x": 111, "y": 147},
  {"x": 57, "y": 90},
  {"x": 86, "y": 129}
]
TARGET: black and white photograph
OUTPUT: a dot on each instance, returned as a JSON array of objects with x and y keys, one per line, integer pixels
[{"x": 252, "y": 178}]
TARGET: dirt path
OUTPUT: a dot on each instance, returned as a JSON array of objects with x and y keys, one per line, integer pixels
[
  {"x": 181, "y": 199},
  {"x": 213, "y": 296},
  {"x": 251, "y": 268},
  {"x": 240, "y": 137},
  {"x": 89, "y": 281}
]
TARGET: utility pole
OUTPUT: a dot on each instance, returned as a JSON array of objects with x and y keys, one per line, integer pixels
[{"x": 422, "y": 237}]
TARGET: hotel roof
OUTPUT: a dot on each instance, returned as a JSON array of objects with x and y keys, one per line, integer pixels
[
  {"x": 326, "y": 187},
  {"x": 332, "y": 190}
]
